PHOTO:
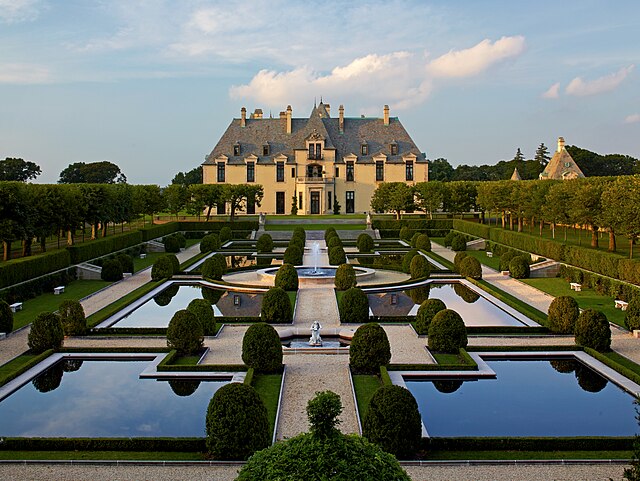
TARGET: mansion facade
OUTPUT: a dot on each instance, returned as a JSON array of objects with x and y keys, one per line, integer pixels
[{"x": 316, "y": 160}]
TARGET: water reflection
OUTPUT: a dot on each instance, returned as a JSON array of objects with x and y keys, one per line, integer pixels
[
  {"x": 184, "y": 388},
  {"x": 466, "y": 294},
  {"x": 563, "y": 366},
  {"x": 164, "y": 298},
  {"x": 447, "y": 386},
  {"x": 419, "y": 294},
  {"x": 589, "y": 380},
  {"x": 212, "y": 295}
]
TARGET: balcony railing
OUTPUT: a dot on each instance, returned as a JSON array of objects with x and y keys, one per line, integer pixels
[
  {"x": 315, "y": 157},
  {"x": 314, "y": 180}
]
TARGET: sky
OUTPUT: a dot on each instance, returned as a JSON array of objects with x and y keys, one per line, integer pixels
[{"x": 151, "y": 85}]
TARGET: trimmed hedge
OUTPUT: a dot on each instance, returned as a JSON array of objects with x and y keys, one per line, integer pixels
[
  {"x": 369, "y": 349},
  {"x": 157, "y": 231},
  {"x": 447, "y": 332},
  {"x": 185, "y": 332},
  {"x": 337, "y": 256},
  {"x": 470, "y": 267},
  {"x": 287, "y": 278},
  {"x": 101, "y": 247},
  {"x": 529, "y": 444},
  {"x": 264, "y": 243},
  {"x": 293, "y": 255},
  {"x": 419, "y": 267},
  {"x": 74, "y": 322},
  {"x": 563, "y": 314},
  {"x": 592, "y": 330},
  {"x": 426, "y": 311},
  {"x": 210, "y": 242},
  {"x": 631, "y": 316},
  {"x": 345, "y": 277},
  {"x": 261, "y": 348},
  {"x": 354, "y": 306},
  {"x": 6, "y": 317},
  {"x": 202, "y": 309},
  {"x": 111, "y": 270},
  {"x": 276, "y": 307},
  {"x": 519, "y": 267},
  {"x": 183, "y": 445},
  {"x": 21, "y": 270},
  {"x": 364, "y": 243},
  {"x": 472, "y": 228},
  {"x": 414, "y": 224},
  {"x": 46, "y": 333},
  {"x": 162, "y": 269}
]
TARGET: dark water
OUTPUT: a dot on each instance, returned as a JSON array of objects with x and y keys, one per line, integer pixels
[
  {"x": 528, "y": 398},
  {"x": 105, "y": 399}
]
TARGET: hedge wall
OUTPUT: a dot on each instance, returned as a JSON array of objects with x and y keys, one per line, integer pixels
[
  {"x": 473, "y": 228},
  {"x": 215, "y": 226},
  {"x": 529, "y": 444},
  {"x": 185, "y": 445},
  {"x": 25, "y": 268},
  {"x": 101, "y": 247},
  {"x": 155, "y": 231},
  {"x": 421, "y": 224}
]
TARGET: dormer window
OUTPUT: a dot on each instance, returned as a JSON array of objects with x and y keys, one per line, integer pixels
[
  {"x": 266, "y": 150},
  {"x": 394, "y": 148},
  {"x": 236, "y": 149},
  {"x": 364, "y": 149},
  {"x": 315, "y": 151}
]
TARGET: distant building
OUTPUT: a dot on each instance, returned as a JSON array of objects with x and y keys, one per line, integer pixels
[
  {"x": 561, "y": 166},
  {"x": 516, "y": 175},
  {"x": 316, "y": 160}
]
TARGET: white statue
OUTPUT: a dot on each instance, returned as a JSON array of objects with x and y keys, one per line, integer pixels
[
  {"x": 315, "y": 340},
  {"x": 261, "y": 219},
  {"x": 368, "y": 221}
]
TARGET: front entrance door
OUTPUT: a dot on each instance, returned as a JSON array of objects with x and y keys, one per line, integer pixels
[
  {"x": 279, "y": 202},
  {"x": 315, "y": 202}
]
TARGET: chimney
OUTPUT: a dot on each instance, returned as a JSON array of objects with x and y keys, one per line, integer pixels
[
  {"x": 560, "y": 144},
  {"x": 341, "y": 121},
  {"x": 243, "y": 117},
  {"x": 257, "y": 114},
  {"x": 289, "y": 119},
  {"x": 283, "y": 115},
  {"x": 327, "y": 107},
  {"x": 386, "y": 115}
]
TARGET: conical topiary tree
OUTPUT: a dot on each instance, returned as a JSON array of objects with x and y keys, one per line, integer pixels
[
  {"x": 276, "y": 307},
  {"x": 345, "y": 277},
  {"x": 354, "y": 306},
  {"x": 202, "y": 309},
  {"x": 447, "y": 332},
  {"x": 287, "y": 278},
  {"x": 563, "y": 314},
  {"x": 426, "y": 311}
]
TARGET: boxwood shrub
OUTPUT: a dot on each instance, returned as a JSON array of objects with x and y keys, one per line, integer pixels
[
  {"x": 364, "y": 243},
  {"x": 448, "y": 239},
  {"x": 171, "y": 244},
  {"x": 174, "y": 262},
  {"x": 345, "y": 277},
  {"x": 126, "y": 262},
  {"x": 111, "y": 270},
  {"x": 458, "y": 258},
  {"x": 592, "y": 330},
  {"x": 470, "y": 267},
  {"x": 419, "y": 267},
  {"x": 369, "y": 349},
  {"x": 329, "y": 232},
  {"x": 226, "y": 234},
  {"x": 426, "y": 311},
  {"x": 334, "y": 241},
  {"x": 406, "y": 233},
  {"x": 414, "y": 239},
  {"x": 74, "y": 322},
  {"x": 354, "y": 307},
  {"x": 237, "y": 423},
  {"x": 6, "y": 317},
  {"x": 214, "y": 267},
  {"x": 297, "y": 241},
  {"x": 46, "y": 333},
  {"x": 519, "y": 267},
  {"x": 293, "y": 255},
  {"x": 393, "y": 421},
  {"x": 506, "y": 257},
  {"x": 447, "y": 332},
  {"x": 276, "y": 307},
  {"x": 631, "y": 315},
  {"x": 264, "y": 243},
  {"x": 162, "y": 268},
  {"x": 459, "y": 243},
  {"x": 423, "y": 242},
  {"x": 203, "y": 311},
  {"x": 406, "y": 260},
  {"x": 261, "y": 348},
  {"x": 300, "y": 232},
  {"x": 337, "y": 256},
  {"x": 563, "y": 314},
  {"x": 210, "y": 242},
  {"x": 185, "y": 332},
  {"x": 287, "y": 277}
]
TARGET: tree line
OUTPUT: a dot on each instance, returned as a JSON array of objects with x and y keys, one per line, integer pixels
[
  {"x": 31, "y": 212},
  {"x": 594, "y": 203}
]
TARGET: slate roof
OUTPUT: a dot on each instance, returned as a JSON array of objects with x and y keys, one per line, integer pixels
[
  {"x": 516, "y": 175},
  {"x": 257, "y": 132},
  {"x": 561, "y": 166}
]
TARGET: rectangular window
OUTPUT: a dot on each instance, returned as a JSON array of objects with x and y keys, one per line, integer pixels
[
  {"x": 318, "y": 151},
  {"x": 351, "y": 202},
  {"x": 236, "y": 149},
  {"x": 350, "y": 171},
  {"x": 329, "y": 201},
  {"x": 251, "y": 207},
  {"x": 280, "y": 172},
  {"x": 293, "y": 172},
  {"x": 311, "y": 150},
  {"x": 365, "y": 149},
  {"x": 279, "y": 202},
  {"x": 409, "y": 170},
  {"x": 220, "y": 171},
  {"x": 337, "y": 171},
  {"x": 300, "y": 200},
  {"x": 221, "y": 208},
  {"x": 379, "y": 171},
  {"x": 251, "y": 172}
]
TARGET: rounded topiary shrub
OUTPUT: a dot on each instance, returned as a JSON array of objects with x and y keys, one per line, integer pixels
[
  {"x": 225, "y": 234},
  {"x": 175, "y": 263},
  {"x": 519, "y": 267},
  {"x": 293, "y": 255},
  {"x": 72, "y": 318},
  {"x": 406, "y": 233},
  {"x": 210, "y": 242},
  {"x": 369, "y": 349},
  {"x": 448, "y": 239},
  {"x": 337, "y": 256},
  {"x": 426, "y": 311},
  {"x": 419, "y": 267},
  {"x": 393, "y": 421},
  {"x": 419, "y": 294},
  {"x": 261, "y": 348},
  {"x": 6, "y": 317},
  {"x": 264, "y": 243},
  {"x": 111, "y": 270},
  {"x": 185, "y": 332},
  {"x": 276, "y": 306},
  {"x": 470, "y": 267},
  {"x": 287, "y": 278},
  {"x": 592, "y": 330},
  {"x": 406, "y": 260},
  {"x": 414, "y": 239},
  {"x": 505, "y": 259},
  {"x": 237, "y": 423},
  {"x": 46, "y": 333},
  {"x": 163, "y": 298},
  {"x": 563, "y": 314},
  {"x": 631, "y": 315},
  {"x": 171, "y": 244},
  {"x": 447, "y": 332},
  {"x": 466, "y": 294},
  {"x": 458, "y": 258},
  {"x": 459, "y": 243},
  {"x": 423, "y": 242},
  {"x": 214, "y": 267},
  {"x": 345, "y": 277},
  {"x": 364, "y": 243},
  {"x": 354, "y": 306},
  {"x": 334, "y": 241},
  {"x": 126, "y": 262},
  {"x": 162, "y": 268},
  {"x": 300, "y": 232},
  {"x": 329, "y": 232},
  {"x": 201, "y": 308},
  {"x": 182, "y": 240}
]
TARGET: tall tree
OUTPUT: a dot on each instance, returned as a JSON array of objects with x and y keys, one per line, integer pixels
[
  {"x": 176, "y": 196},
  {"x": 148, "y": 199},
  {"x": 460, "y": 197},
  {"x": 13, "y": 212},
  {"x": 103, "y": 172},
  {"x": 429, "y": 196},
  {"x": 621, "y": 208},
  {"x": 440, "y": 169},
  {"x": 239, "y": 195},
  {"x": 556, "y": 209},
  {"x": 392, "y": 197},
  {"x": 18, "y": 169},
  {"x": 205, "y": 196},
  {"x": 518, "y": 157},
  {"x": 542, "y": 155},
  {"x": 194, "y": 176}
]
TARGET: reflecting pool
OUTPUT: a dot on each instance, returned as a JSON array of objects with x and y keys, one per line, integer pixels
[
  {"x": 559, "y": 397},
  {"x": 91, "y": 398}
]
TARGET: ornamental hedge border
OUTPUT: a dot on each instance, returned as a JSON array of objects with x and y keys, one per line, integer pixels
[
  {"x": 183, "y": 445},
  {"x": 26, "y": 268},
  {"x": 528, "y": 444}
]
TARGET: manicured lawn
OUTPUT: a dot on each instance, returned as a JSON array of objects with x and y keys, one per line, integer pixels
[
  {"x": 587, "y": 298},
  {"x": 442, "y": 358},
  {"x": 106, "y": 455},
  {"x": 623, "y": 361},
  {"x": 292, "y": 298},
  {"x": 15, "y": 364},
  {"x": 50, "y": 302},
  {"x": 139, "y": 264},
  {"x": 493, "y": 262},
  {"x": 365, "y": 385},
  {"x": 518, "y": 455},
  {"x": 268, "y": 387},
  {"x": 280, "y": 227}
]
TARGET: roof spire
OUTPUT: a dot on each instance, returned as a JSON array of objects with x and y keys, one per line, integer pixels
[{"x": 314, "y": 103}]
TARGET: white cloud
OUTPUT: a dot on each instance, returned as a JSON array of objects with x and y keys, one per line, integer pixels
[
  {"x": 580, "y": 87},
  {"x": 15, "y": 11},
  {"x": 15, "y": 73},
  {"x": 632, "y": 119},
  {"x": 552, "y": 92},
  {"x": 472, "y": 61}
]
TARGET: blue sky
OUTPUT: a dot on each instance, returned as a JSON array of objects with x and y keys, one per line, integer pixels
[{"x": 152, "y": 85}]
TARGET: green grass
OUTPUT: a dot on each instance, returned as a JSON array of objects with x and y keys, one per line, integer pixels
[
  {"x": 139, "y": 264},
  {"x": 365, "y": 385},
  {"x": 186, "y": 360},
  {"x": 623, "y": 361},
  {"x": 586, "y": 298},
  {"x": 442, "y": 358},
  {"x": 116, "y": 306},
  {"x": 521, "y": 455},
  {"x": 292, "y": 298},
  {"x": 268, "y": 388},
  {"x": 281, "y": 227},
  {"x": 493, "y": 262},
  {"x": 103, "y": 455},
  {"x": 15, "y": 364},
  {"x": 50, "y": 302}
]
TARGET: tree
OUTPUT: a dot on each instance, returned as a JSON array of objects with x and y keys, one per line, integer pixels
[
  {"x": 440, "y": 170},
  {"x": 556, "y": 208},
  {"x": 621, "y": 208},
  {"x": 194, "y": 176},
  {"x": 103, "y": 172},
  {"x": 369, "y": 348},
  {"x": 185, "y": 332},
  {"x": 19, "y": 170},
  {"x": 392, "y": 197},
  {"x": 429, "y": 196},
  {"x": 13, "y": 213},
  {"x": 460, "y": 197},
  {"x": 205, "y": 196},
  {"x": 294, "y": 205},
  {"x": 518, "y": 157},
  {"x": 176, "y": 197},
  {"x": 72, "y": 317},
  {"x": 6, "y": 317},
  {"x": 148, "y": 199},
  {"x": 238, "y": 196},
  {"x": 261, "y": 348},
  {"x": 46, "y": 333},
  {"x": 542, "y": 155}
]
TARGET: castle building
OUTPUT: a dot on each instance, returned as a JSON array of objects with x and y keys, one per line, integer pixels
[
  {"x": 561, "y": 166},
  {"x": 316, "y": 160}
]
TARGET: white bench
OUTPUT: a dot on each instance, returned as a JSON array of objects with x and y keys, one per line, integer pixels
[
  {"x": 621, "y": 304},
  {"x": 16, "y": 306},
  {"x": 143, "y": 256},
  {"x": 575, "y": 286},
  {"x": 58, "y": 290},
  {"x": 489, "y": 254}
]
